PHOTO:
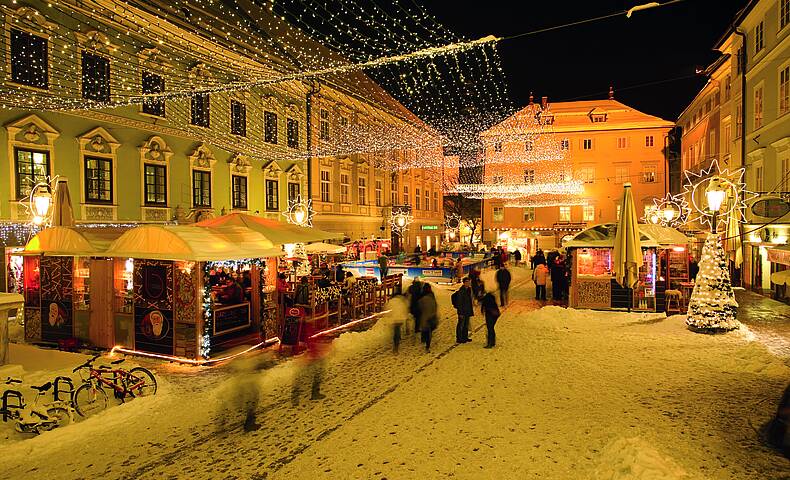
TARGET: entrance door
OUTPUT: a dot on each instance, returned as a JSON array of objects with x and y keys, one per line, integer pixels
[{"x": 100, "y": 328}]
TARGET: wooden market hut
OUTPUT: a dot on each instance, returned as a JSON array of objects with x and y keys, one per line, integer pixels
[{"x": 593, "y": 285}]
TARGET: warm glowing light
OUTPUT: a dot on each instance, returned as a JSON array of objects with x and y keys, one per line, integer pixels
[
  {"x": 669, "y": 213},
  {"x": 715, "y": 193},
  {"x": 191, "y": 361},
  {"x": 42, "y": 200}
]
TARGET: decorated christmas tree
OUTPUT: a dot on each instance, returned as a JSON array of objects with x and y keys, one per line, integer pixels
[{"x": 712, "y": 306}]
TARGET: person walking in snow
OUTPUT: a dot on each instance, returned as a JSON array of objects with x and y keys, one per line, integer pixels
[
  {"x": 462, "y": 301},
  {"x": 429, "y": 315},
  {"x": 491, "y": 313},
  {"x": 537, "y": 259},
  {"x": 503, "y": 280},
  {"x": 517, "y": 256},
  {"x": 540, "y": 275},
  {"x": 415, "y": 292},
  {"x": 397, "y": 317}
]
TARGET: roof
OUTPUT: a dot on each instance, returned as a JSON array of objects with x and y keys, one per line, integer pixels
[
  {"x": 603, "y": 235},
  {"x": 72, "y": 241},
  {"x": 742, "y": 13},
  {"x": 279, "y": 233},
  {"x": 190, "y": 242},
  {"x": 576, "y": 116}
]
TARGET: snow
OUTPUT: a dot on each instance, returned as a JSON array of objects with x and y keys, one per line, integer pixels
[{"x": 565, "y": 394}]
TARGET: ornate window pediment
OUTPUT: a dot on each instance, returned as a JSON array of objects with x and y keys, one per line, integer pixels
[
  {"x": 345, "y": 163},
  {"x": 240, "y": 164},
  {"x": 295, "y": 173},
  {"x": 202, "y": 158},
  {"x": 153, "y": 58},
  {"x": 98, "y": 141},
  {"x": 25, "y": 16},
  {"x": 33, "y": 130},
  {"x": 95, "y": 41},
  {"x": 272, "y": 170},
  {"x": 155, "y": 150}
]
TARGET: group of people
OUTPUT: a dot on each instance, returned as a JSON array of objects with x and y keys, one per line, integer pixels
[{"x": 555, "y": 266}]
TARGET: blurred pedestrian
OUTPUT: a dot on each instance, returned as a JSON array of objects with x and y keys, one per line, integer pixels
[
  {"x": 397, "y": 315},
  {"x": 245, "y": 386},
  {"x": 491, "y": 313},
  {"x": 477, "y": 284},
  {"x": 459, "y": 269},
  {"x": 415, "y": 292},
  {"x": 429, "y": 315},
  {"x": 503, "y": 279},
  {"x": 462, "y": 302},
  {"x": 517, "y": 256},
  {"x": 314, "y": 366},
  {"x": 540, "y": 275},
  {"x": 383, "y": 265},
  {"x": 537, "y": 259}
]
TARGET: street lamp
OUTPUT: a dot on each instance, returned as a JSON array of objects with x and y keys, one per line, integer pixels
[
  {"x": 669, "y": 213},
  {"x": 41, "y": 199},
  {"x": 715, "y": 194},
  {"x": 300, "y": 214}
]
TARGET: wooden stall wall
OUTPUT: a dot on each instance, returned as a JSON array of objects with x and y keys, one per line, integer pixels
[
  {"x": 187, "y": 309},
  {"x": 101, "y": 330},
  {"x": 57, "y": 322},
  {"x": 153, "y": 306},
  {"x": 32, "y": 293}
]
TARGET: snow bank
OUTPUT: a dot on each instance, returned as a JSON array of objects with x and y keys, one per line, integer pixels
[{"x": 635, "y": 459}]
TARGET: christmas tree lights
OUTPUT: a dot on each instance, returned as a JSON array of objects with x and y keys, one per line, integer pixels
[{"x": 712, "y": 307}]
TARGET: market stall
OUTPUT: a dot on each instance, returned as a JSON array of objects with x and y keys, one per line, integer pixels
[{"x": 592, "y": 282}]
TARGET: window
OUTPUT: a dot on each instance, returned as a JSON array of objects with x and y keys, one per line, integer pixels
[
  {"x": 499, "y": 214},
  {"x": 622, "y": 142},
  {"x": 784, "y": 90},
  {"x": 32, "y": 167},
  {"x": 272, "y": 195},
  {"x": 325, "y": 185},
  {"x": 649, "y": 174},
  {"x": 598, "y": 117},
  {"x": 529, "y": 176},
  {"x": 417, "y": 199},
  {"x": 727, "y": 88},
  {"x": 740, "y": 61},
  {"x": 153, "y": 83},
  {"x": 405, "y": 194},
  {"x": 323, "y": 132},
  {"x": 29, "y": 62},
  {"x": 712, "y": 147},
  {"x": 785, "y": 171},
  {"x": 343, "y": 121},
  {"x": 270, "y": 127},
  {"x": 727, "y": 129},
  {"x": 155, "y": 185},
  {"x": 394, "y": 197},
  {"x": 784, "y": 13},
  {"x": 758, "y": 178},
  {"x": 738, "y": 120},
  {"x": 435, "y": 201},
  {"x": 759, "y": 38},
  {"x": 529, "y": 214},
  {"x": 201, "y": 188},
  {"x": 98, "y": 180},
  {"x": 565, "y": 144},
  {"x": 620, "y": 174},
  {"x": 294, "y": 192},
  {"x": 345, "y": 187},
  {"x": 587, "y": 144},
  {"x": 547, "y": 119},
  {"x": 565, "y": 213},
  {"x": 201, "y": 110},
  {"x": 427, "y": 200},
  {"x": 362, "y": 190},
  {"x": 586, "y": 174},
  {"x": 528, "y": 146},
  {"x": 588, "y": 213},
  {"x": 649, "y": 141},
  {"x": 239, "y": 192},
  {"x": 758, "y": 107},
  {"x": 498, "y": 147},
  {"x": 379, "y": 190},
  {"x": 292, "y": 131},
  {"x": 95, "y": 77},
  {"x": 238, "y": 118}
]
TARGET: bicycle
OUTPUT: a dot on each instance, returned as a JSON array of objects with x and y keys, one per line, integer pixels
[
  {"x": 35, "y": 419},
  {"x": 90, "y": 397}
]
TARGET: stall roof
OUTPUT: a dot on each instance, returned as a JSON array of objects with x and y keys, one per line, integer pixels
[
  {"x": 279, "y": 233},
  {"x": 322, "y": 247},
  {"x": 190, "y": 242},
  {"x": 603, "y": 236},
  {"x": 72, "y": 241}
]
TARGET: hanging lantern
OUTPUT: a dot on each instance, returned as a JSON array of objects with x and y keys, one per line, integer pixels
[{"x": 300, "y": 212}]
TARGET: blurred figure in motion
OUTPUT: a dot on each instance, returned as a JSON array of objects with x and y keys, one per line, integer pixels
[
  {"x": 415, "y": 292},
  {"x": 244, "y": 390},
  {"x": 429, "y": 315},
  {"x": 313, "y": 366},
  {"x": 491, "y": 312},
  {"x": 398, "y": 318}
]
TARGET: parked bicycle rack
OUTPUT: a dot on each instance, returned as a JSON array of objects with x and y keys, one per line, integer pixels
[
  {"x": 58, "y": 390},
  {"x": 11, "y": 394}
]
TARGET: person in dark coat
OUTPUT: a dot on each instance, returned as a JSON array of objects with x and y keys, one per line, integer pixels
[
  {"x": 429, "y": 315},
  {"x": 462, "y": 302},
  {"x": 538, "y": 259},
  {"x": 491, "y": 313},
  {"x": 503, "y": 280},
  {"x": 383, "y": 265},
  {"x": 517, "y": 256},
  {"x": 415, "y": 292},
  {"x": 340, "y": 274},
  {"x": 557, "y": 275},
  {"x": 693, "y": 269},
  {"x": 478, "y": 287}
]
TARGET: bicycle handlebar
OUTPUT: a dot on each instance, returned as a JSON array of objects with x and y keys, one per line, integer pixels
[
  {"x": 88, "y": 363},
  {"x": 9, "y": 380}
]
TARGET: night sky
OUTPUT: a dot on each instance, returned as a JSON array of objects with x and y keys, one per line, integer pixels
[{"x": 658, "y": 45}]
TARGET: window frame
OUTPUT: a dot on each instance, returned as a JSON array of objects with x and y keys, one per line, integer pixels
[
  {"x": 497, "y": 214},
  {"x": 325, "y": 185},
  {"x": 417, "y": 196},
  {"x": 561, "y": 217},
  {"x": 146, "y": 201},
  {"x": 18, "y": 181},
  {"x": 324, "y": 132},
  {"x": 758, "y": 113},
  {"x": 270, "y": 132},
  {"x": 345, "y": 188},
  {"x": 203, "y": 174},
  {"x": 618, "y": 177},
  {"x": 586, "y": 209},
  {"x": 759, "y": 37},
  {"x": 783, "y": 88},
  {"x": 21, "y": 80},
  {"x": 236, "y": 192},
  {"x": 362, "y": 190},
  {"x": 87, "y": 181},
  {"x": 272, "y": 195},
  {"x": 95, "y": 55},
  {"x": 649, "y": 141},
  {"x": 622, "y": 142},
  {"x": 292, "y": 132},
  {"x": 528, "y": 214},
  {"x": 157, "y": 107},
  {"x": 238, "y": 118},
  {"x": 379, "y": 193},
  {"x": 294, "y": 198},
  {"x": 200, "y": 110},
  {"x": 587, "y": 144}
]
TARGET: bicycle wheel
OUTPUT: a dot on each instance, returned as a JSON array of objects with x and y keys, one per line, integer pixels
[
  {"x": 89, "y": 399},
  {"x": 60, "y": 415},
  {"x": 141, "y": 382}
]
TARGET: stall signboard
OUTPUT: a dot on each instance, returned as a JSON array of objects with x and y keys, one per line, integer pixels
[
  {"x": 429, "y": 227},
  {"x": 232, "y": 318},
  {"x": 153, "y": 330},
  {"x": 782, "y": 257},
  {"x": 770, "y": 208}
]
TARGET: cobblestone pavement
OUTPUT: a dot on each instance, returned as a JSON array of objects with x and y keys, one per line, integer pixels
[{"x": 768, "y": 319}]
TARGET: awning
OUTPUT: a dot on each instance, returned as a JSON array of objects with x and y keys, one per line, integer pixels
[
  {"x": 279, "y": 233},
  {"x": 177, "y": 242},
  {"x": 603, "y": 235},
  {"x": 72, "y": 241},
  {"x": 665, "y": 236},
  {"x": 781, "y": 278},
  {"x": 322, "y": 247}
]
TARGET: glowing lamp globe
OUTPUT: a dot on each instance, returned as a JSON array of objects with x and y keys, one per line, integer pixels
[
  {"x": 715, "y": 193},
  {"x": 300, "y": 215},
  {"x": 41, "y": 200},
  {"x": 669, "y": 214},
  {"x": 401, "y": 221},
  {"x": 654, "y": 219}
]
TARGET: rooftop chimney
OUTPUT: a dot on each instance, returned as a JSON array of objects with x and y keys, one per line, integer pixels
[
  {"x": 544, "y": 101},
  {"x": 611, "y": 92}
]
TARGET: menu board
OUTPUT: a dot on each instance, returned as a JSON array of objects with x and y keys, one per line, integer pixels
[
  {"x": 678, "y": 268},
  {"x": 594, "y": 261}
]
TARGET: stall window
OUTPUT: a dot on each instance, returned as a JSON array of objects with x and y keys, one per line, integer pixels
[
  {"x": 155, "y": 185},
  {"x": 238, "y": 118},
  {"x": 95, "y": 77},
  {"x": 201, "y": 109},
  {"x": 499, "y": 214},
  {"x": 98, "y": 180},
  {"x": 201, "y": 188},
  {"x": 594, "y": 261},
  {"x": 270, "y": 127},
  {"x": 123, "y": 282},
  {"x": 565, "y": 213},
  {"x": 272, "y": 195},
  {"x": 239, "y": 195},
  {"x": 31, "y": 167},
  {"x": 81, "y": 287},
  {"x": 153, "y": 83},
  {"x": 29, "y": 62}
]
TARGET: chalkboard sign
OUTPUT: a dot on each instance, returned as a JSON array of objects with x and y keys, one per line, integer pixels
[
  {"x": 230, "y": 319},
  {"x": 770, "y": 208}
]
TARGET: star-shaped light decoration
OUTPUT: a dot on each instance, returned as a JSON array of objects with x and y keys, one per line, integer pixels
[
  {"x": 400, "y": 219},
  {"x": 697, "y": 186},
  {"x": 300, "y": 212},
  {"x": 669, "y": 211},
  {"x": 38, "y": 205}
]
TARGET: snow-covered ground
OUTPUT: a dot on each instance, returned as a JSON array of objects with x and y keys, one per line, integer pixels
[{"x": 565, "y": 394}]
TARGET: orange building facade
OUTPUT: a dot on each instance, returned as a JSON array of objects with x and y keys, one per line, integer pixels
[{"x": 603, "y": 144}]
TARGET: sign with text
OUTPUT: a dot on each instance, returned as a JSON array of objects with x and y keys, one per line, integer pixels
[{"x": 429, "y": 227}]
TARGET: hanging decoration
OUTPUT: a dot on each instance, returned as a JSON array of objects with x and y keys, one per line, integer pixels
[
  {"x": 733, "y": 203},
  {"x": 38, "y": 204},
  {"x": 400, "y": 219},
  {"x": 712, "y": 306},
  {"x": 300, "y": 212},
  {"x": 669, "y": 211}
]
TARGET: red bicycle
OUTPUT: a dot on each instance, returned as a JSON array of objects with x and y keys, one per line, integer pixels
[{"x": 90, "y": 397}]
